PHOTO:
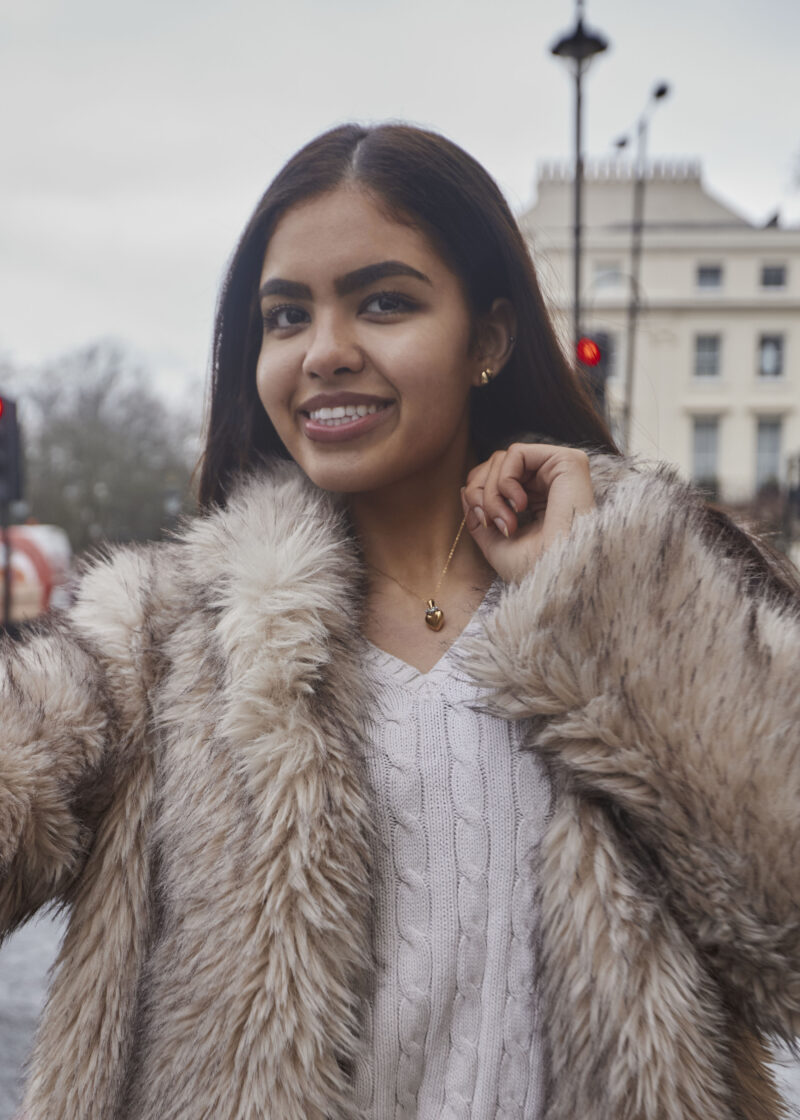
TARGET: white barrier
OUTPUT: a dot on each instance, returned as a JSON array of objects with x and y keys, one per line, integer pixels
[{"x": 40, "y": 569}]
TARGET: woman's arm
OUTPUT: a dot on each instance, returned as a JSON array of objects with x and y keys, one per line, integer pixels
[
  {"x": 72, "y": 710},
  {"x": 672, "y": 693}
]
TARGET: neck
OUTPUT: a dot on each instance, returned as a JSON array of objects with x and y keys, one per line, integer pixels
[{"x": 407, "y": 529}]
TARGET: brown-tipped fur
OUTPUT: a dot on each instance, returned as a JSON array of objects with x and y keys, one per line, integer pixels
[
  {"x": 181, "y": 767},
  {"x": 755, "y": 1087}
]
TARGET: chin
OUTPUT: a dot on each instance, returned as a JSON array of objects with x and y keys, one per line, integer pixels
[
  {"x": 352, "y": 478},
  {"x": 347, "y": 482}
]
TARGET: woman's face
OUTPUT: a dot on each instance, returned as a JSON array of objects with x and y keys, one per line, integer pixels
[{"x": 366, "y": 360}]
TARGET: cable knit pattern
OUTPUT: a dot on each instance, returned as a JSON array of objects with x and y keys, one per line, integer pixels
[
  {"x": 409, "y": 853},
  {"x": 472, "y": 858},
  {"x": 459, "y": 807},
  {"x": 520, "y": 1095}
]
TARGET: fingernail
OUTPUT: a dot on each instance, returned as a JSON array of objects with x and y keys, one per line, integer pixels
[
  {"x": 481, "y": 516},
  {"x": 512, "y": 503},
  {"x": 501, "y": 525}
]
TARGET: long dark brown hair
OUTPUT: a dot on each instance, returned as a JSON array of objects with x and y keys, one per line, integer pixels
[{"x": 422, "y": 179}]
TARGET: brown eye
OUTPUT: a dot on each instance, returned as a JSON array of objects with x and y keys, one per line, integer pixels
[
  {"x": 388, "y": 303},
  {"x": 284, "y": 317}
]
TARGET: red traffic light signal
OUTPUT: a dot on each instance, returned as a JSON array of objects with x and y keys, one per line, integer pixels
[
  {"x": 595, "y": 354},
  {"x": 589, "y": 352}
]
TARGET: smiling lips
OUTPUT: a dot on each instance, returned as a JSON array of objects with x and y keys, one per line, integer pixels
[{"x": 333, "y": 417}]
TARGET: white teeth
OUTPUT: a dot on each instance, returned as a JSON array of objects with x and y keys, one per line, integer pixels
[{"x": 341, "y": 413}]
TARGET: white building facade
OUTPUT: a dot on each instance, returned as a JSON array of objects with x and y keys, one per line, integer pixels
[{"x": 717, "y": 372}]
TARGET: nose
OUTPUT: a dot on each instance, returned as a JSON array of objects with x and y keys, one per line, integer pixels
[{"x": 332, "y": 348}]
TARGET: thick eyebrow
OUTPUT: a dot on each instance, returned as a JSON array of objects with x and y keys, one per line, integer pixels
[
  {"x": 288, "y": 288},
  {"x": 362, "y": 277},
  {"x": 344, "y": 285}
]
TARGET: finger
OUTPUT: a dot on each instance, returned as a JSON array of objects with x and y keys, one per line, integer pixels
[
  {"x": 525, "y": 464},
  {"x": 498, "y": 513},
  {"x": 510, "y": 486},
  {"x": 473, "y": 514},
  {"x": 474, "y": 490},
  {"x": 538, "y": 465},
  {"x": 567, "y": 476},
  {"x": 507, "y": 557},
  {"x": 484, "y": 536}
]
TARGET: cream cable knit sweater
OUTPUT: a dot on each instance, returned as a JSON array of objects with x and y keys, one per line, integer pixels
[{"x": 452, "y": 1028}]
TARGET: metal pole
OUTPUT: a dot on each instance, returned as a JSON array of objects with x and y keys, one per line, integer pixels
[
  {"x": 578, "y": 199},
  {"x": 579, "y": 48},
  {"x": 791, "y": 496},
  {"x": 635, "y": 287},
  {"x": 5, "y": 537}
]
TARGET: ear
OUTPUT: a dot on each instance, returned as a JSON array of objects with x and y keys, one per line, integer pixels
[{"x": 494, "y": 338}]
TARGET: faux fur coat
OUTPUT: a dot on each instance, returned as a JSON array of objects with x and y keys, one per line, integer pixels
[{"x": 180, "y": 766}]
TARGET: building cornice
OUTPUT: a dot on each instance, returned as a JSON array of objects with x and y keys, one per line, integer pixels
[
  {"x": 768, "y": 243},
  {"x": 701, "y": 305},
  {"x": 617, "y": 170}
]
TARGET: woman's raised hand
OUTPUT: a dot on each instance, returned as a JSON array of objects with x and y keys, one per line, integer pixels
[{"x": 549, "y": 484}]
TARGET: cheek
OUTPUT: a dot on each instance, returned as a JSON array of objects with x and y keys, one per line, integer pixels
[
  {"x": 262, "y": 381},
  {"x": 272, "y": 388},
  {"x": 438, "y": 382}
]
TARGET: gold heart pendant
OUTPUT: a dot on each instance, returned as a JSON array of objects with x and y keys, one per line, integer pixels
[{"x": 434, "y": 616}]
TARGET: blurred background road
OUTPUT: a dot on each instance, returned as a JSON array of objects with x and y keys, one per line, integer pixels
[{"x": 24, "y": 961}]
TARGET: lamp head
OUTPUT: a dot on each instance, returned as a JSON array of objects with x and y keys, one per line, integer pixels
[{"x": 579, "y": 46}]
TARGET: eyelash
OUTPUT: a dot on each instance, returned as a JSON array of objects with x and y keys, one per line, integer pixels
[
  {"x": 404, "y": 305},
  {"x": 271, "y": 316}
]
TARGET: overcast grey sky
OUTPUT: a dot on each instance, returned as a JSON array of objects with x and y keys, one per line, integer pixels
[{"x": 136, "y": 137}]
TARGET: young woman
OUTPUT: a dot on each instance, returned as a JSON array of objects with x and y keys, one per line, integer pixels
[{"x": 448, "y": 764}]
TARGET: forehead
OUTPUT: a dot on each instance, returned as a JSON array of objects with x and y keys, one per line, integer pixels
[{"x": 343, "y": 230}]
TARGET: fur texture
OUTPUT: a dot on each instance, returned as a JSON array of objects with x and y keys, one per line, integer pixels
[{"x": 180, "y": 766}]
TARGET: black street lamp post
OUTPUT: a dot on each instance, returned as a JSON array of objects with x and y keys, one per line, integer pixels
[{"x": 579, "y": 48}]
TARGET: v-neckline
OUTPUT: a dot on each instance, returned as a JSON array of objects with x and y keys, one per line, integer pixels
[{"x": 406, "y": 673}]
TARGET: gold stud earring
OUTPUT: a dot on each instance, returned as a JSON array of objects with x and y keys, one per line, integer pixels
[{"x": 487, "y": 375}]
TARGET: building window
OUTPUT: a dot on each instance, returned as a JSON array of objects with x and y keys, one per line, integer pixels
[
  {"x": 707, "y": 349},
  {"x": 770, "y": 355},
  {"x": 768, "y": 451},
  {"x": 705, "y": 441},
  {"x": 773, "y": 276},
  {"x": 607, "y": 274},
  {"x": 709, "y": 276}
]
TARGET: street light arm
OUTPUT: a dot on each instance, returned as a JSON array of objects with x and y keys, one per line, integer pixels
[{"x": 659, "y": 92}]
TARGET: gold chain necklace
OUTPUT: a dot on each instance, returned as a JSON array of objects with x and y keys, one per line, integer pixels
[{"x": 434, "y": 615}]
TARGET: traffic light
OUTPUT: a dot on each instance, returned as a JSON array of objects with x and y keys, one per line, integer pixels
[
  {"x": 10, "y": 453},
  {"x": 595, "y": 356}
]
